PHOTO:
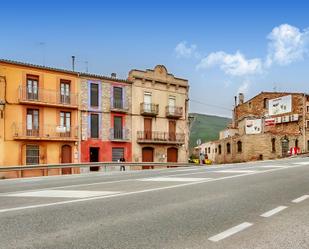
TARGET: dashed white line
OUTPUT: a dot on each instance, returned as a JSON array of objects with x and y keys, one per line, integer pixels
[
  {"x": 273, "y": 211},
  {"x": 272, "y": 166},
  {"x": 300, "y": 199},
  {"x": 230, "y": 232},
  {"x": 173, "y": 179}
]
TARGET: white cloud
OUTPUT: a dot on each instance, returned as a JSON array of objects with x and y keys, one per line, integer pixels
[
  {"x": 286, "y": 45},
  {"x": 244, "y": 87},
  {"x": 186, "y": 51},
  {"x": 232, "y": 64}
]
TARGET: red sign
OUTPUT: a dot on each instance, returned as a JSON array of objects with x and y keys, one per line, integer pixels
[{"x": 270, "y": 122}]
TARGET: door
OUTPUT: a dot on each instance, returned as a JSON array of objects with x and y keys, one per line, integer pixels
[
  {"x": 94, "y": 157},
  {"x": 118, "y": 134},
  {"x": 172, "y": 130},
  {"x": 65, "y": 92},
  {"x": 148, "y": 128},
  {"x": 285, "y": 147},
  {"x": 66, "y": 157},
  {"x": 32, "y": 122},
  {"x": 147, "y": 156},
  {"x": 32, "y": 88},
  {"x": 147, "y": 102},
  {"x": 65, "y": 122},
  {"x": 117, "y": 95},
  {"x": 171, "y": 105},
  {"x": 172, "y": 156}
]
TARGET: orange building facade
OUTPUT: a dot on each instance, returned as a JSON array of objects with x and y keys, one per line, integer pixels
[{"x": 39, "y": 114}]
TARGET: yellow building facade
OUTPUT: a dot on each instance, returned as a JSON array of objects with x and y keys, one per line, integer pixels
[{"x": 38, "y": 117}]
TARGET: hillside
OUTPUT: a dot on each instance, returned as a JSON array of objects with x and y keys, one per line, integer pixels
[{"x": 206, "y": 127}]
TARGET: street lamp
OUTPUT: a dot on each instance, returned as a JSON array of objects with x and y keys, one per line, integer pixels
[{"x": 2, "y": 105}]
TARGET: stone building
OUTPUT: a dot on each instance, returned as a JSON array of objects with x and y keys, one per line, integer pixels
[
  {"x": 159, "y": 116},
  {"x": 268, "y": 126},
  {"x": 105, "y": 106}
]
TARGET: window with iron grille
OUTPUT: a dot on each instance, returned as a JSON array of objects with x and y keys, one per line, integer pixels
[
  {"x": 118, "y": 134},
  {"x": 117, "y": 97},
  {"x": 94, "y": 126},
  {"x": 94, "y": 94},
  {"x": 32, "y": 154},
  {"x": 32, "y": 87},
  {"x": 65, "y": 91}
]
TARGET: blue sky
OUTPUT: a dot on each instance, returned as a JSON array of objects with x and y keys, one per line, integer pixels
[{"x": 221, "y": 47}]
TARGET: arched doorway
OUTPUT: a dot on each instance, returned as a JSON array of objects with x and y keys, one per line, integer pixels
[
  {"x": 172, "y": 155},
  {"x": 66, "y": 157},
  {"x": 285, "y": 146},
  {"x": 147, "y": 156}
]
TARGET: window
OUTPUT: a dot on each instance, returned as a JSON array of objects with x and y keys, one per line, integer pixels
[
  {"x": 147, "y": 102},
  {"x": 307, "y": 108},
  {"x": 296, "y": 143},
  {"x": 265, "y": 103},
  {"x": 32, "y": 122},
  {"x": 65, "y": 92},
  {"x": 65, "y": 123},
  {"x": 273, "y": 145},
  {"x": 117, "y": 97},
  {"x": 307, "y": 123},
  {"x": 219, "y": 149},
  {"x": 32, "y": 154},
  {"x": 239, "y": 146},
  {"x": 228, "y": 148},
  {"x": 171, "y": 104},
  {"x": 94, "y": 94},
  {"x": 250, "y": 105},
  {"x": 216, "y": 150},
  {"x": 32, "y": 87},
  {"x": 118, "y": 133},
  {"x": 208, "y": 149},
  {"x": 94, "y": 122},
  {"x": 117, "y": 153}
]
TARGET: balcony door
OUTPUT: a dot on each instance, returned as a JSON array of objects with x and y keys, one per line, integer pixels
[
  {"x": 118, "y": 97},
  {"x": 147, "y": 128},
  {"x": 32, "y": 122},
  {"x": 118, "y": 132},
  {"x": 32, "y": 88},
  {"x": 65, "y": 123},
  {"x": 65, "y": 92},
  {"x": 172, "y": 130},
  {"x": 171, "y": 104},
  {"x": 147, "y": 102}
]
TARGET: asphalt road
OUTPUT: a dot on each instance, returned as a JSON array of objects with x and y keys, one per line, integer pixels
[{"x": 253, "y": 205}]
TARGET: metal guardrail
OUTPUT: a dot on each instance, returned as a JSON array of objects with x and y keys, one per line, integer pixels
[{"x": 94, "y": 164}]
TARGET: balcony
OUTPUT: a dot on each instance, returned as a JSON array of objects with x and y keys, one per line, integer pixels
[
  {"x": 148, "y": 109},
  {"x": 119, "y": 106},
  {"x": 119, "y": 135},
  {"x": 158, "y": 137},
  {"x": 45, "y": 133},
  {"x": 46, "y": 97},
  {"x": 173, "y": 111}
]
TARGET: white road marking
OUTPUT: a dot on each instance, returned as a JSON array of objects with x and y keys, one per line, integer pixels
[
  {"x": 230, "y": 232},
  {"x": 272, "y": 166},
  {"x": 302, "y": 163},
  {"x": 181, "y": 170},
  {"x": 62, "y": 193},
  {"x": 273, "y": 211},
  {"x": 173, "y": 179},
  {"x": 300, "y": 199},
  {"x": 136, "y": 192},
  {"x": 236, "y": 171}
]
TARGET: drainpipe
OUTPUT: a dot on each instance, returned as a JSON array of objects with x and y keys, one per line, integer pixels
[{"x": 304, "y": 123}]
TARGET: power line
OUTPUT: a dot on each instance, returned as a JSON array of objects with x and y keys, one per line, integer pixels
[{"x": 211, "y": 105}]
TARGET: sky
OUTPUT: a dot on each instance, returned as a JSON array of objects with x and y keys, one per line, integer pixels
[{"x": 222, "y": 47}]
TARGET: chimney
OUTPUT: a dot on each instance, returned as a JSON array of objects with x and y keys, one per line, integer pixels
[
  {"x": 73, "y": 63},
  {"x": 235, "y": 100},
  {"x": 241, "y": 98},
  {"x": 113, "y": 75}
]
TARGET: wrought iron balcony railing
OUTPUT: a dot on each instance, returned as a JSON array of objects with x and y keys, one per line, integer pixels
[
  {"x": 148, "y": 109},
  {"x": 43, "y": 96},
  {"x": 173, "y": 111},
  {"x": 119, "y": 134},
  {"x": 160, "y": 137},
  {"x": 119, "y": 105},
  {"x": 45, "y": 132}
]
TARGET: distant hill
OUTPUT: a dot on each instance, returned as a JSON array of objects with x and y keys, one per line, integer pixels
[{"x": 206, "y": 127}]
